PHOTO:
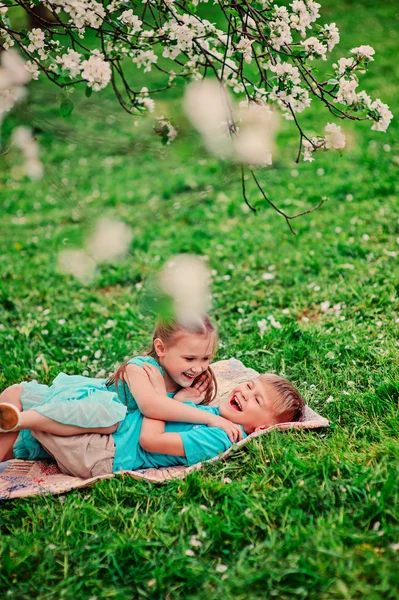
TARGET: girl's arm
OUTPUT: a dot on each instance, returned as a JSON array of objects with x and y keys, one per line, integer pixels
[
  {"x": 154, "y": 439},
  {"x": 148, "y": 388}
]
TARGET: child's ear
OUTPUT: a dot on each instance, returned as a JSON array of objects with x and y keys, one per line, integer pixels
[{"x": 159, "y": 347}]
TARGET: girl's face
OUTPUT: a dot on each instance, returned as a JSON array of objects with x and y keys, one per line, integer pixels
[{"x": 186, "y": 357}]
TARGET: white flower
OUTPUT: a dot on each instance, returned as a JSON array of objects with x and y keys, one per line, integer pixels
[
  {"x": 314, "y": 48},
  {"x": 110, "y": 240},
  {"x": 77, "y": 263},
  {"x": 128, "y": 18},
  {"x": 83, "y": 12},
  {"x": 362, "y": 52},
  {"x": 263, "y": 325},
  {"x": 267, "y": 276},
  {"x": 185, "y": 279},
  {"x": 330, "y": 34},
  {"x": 344, "y": 65},
  {"x": 37, "y": 40},
  {"x": 70, "y": 61},
  {"x": 334, "y": 138},
  {"x": 245, "y": 46},
  {"x": 171, "y": 52},
  {"x": 221, "y": 568},
  {"x": 330, "y": 355},
  {"x": 96, "y": 71},
  {"x": 33, "y": 69},
  {"x": 382, "y": 114},
  {"x": 194, "y": 541},
  {"x": 145, "y": 58},
  {"x": 346, "y": 93},
  {"x": 303, "y": 15},
  {"x": 190, "y": 552}
]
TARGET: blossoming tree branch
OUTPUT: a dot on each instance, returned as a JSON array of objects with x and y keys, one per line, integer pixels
[{"x": 263, "y": 53}]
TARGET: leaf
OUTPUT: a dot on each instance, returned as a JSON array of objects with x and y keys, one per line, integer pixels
[
  {"x": 66, "y": 108},
  {"x": 88, "y": 91},
  {"x": 333, "y": 81}
]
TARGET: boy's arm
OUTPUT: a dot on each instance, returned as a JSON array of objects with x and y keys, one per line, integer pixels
[
  {"x": 156, "y": 405},
  {"x": 154, "y": 439}
]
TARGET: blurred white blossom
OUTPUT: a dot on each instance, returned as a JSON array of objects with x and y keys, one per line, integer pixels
[
  {"x": 77, "y": 263},
  {"x": 185, "y": 279},
  {"x": 110, "y": 240}
]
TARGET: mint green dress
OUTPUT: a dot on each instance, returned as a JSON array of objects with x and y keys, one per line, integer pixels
[{"x": 75, "y": 400}]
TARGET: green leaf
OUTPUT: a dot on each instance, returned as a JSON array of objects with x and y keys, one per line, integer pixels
[
  {"x": 66, "y": 108},
  {"x": 333, "y": 81},
  {"x": 88, "y": 91}
]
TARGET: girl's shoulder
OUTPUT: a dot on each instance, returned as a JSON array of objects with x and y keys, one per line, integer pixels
[{"x": 140, "y": 360}]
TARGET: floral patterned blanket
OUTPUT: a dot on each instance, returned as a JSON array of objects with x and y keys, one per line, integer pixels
[{"x": 19, "y": 479}]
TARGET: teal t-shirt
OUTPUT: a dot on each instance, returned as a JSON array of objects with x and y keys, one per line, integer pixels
[{"x": 200, "y": 443}]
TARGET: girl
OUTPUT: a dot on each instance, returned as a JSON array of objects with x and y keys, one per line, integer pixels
[{"x": 73, "y": 405}]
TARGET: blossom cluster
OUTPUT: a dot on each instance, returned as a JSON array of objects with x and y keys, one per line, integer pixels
[{"x": 281, "y": 43}]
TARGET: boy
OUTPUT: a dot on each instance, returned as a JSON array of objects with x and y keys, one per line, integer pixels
[{"x": 141, "y": 443}]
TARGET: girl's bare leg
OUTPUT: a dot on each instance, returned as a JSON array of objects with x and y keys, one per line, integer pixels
[
  {"x": 30, "y": 419},
  {"x": 11, "y": 395}
]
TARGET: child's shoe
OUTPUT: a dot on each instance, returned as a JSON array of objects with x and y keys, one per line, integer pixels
[{"x": 9, "y": 417}]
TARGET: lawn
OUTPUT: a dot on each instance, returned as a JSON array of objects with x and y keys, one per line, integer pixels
[{"x": 310, "y": 515}]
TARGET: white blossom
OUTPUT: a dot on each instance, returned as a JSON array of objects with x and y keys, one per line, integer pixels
[
  {"x": 23, "y": 139},
  {"x": 186, "y": 279},
  {"x": 304, "y": 13},
  {"x": 37, "y": 40},
  {"x": 330, "y": 35},
  {"x": 280, "y": 31},
  {"x": 145, "y": 58},
  {"x": 70, "y": 61},
  {"x": 314, "y": 48},
  {"x": 383, "y": 115},
  {"x": 82, "y": 13},
  {"x": 128, "y": 18},
  {"x": 334, "y": 137},
  {"x": 347, "y": 91},
  {"x": 96, "y": 71},
  {"x": 363, "y": 52},
  {"x": 77, "y": 263},
  {"x": 245, "y": 46},
  {"x": 33, "y": 69},
  {"x": 110, "y": 240}
]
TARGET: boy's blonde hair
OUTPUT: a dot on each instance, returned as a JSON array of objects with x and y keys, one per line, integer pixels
[{"x": 288, "y": 403}]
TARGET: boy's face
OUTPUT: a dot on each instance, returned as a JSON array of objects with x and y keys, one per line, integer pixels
[{"x": 250, "y": 404}]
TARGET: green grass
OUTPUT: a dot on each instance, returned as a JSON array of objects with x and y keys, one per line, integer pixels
[{"x": 306, "y": 515}]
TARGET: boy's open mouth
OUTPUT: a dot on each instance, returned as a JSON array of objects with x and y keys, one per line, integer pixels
[{"x": 235, "y": 403}]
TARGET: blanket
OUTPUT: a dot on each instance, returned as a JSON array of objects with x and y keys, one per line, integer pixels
[{"x": 19, "y": 478}]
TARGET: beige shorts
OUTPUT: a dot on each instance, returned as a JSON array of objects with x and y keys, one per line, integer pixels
[{"x": 85, "y": 456}]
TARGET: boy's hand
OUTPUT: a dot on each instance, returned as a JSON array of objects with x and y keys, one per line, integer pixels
[
  {"x": 155, "y": 377},
  {"x": 233, "y": 430}
]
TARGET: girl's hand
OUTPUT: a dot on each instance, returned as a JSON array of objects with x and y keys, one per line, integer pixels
[
  {"x": 155, "y": 377},
  {"x": 190, "y": 394},
  {"x": 233, "y": 430},
  {"x": 202, "y": 383}
]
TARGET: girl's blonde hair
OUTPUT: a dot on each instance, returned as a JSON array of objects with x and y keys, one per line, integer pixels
[{"x": 168, "y": 331}]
